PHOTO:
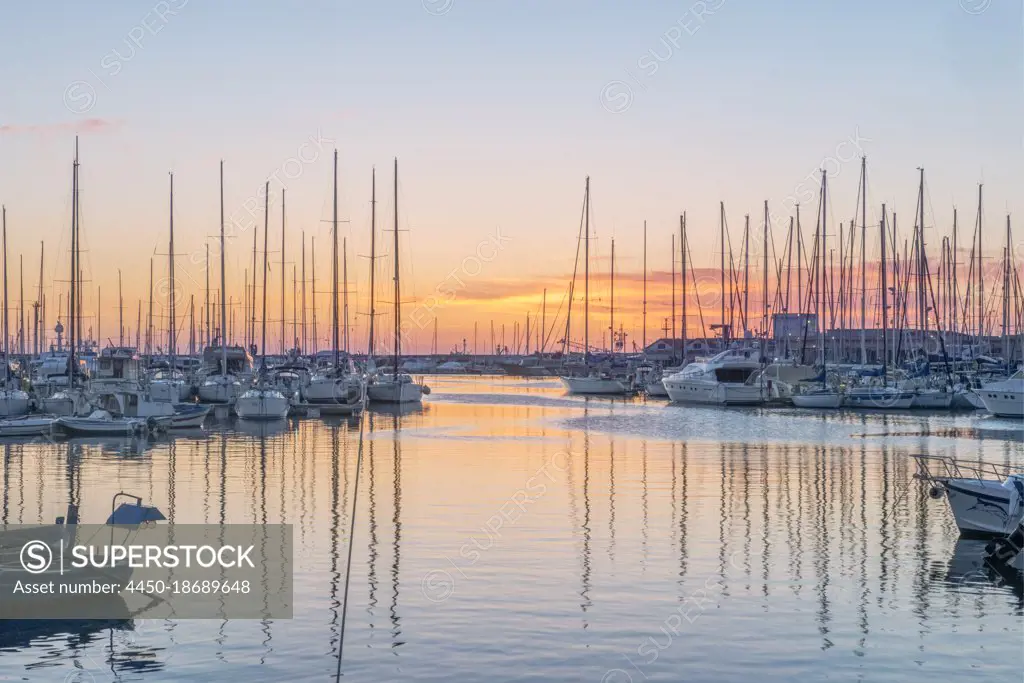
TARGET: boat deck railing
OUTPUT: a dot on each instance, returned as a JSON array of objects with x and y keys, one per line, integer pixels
[{"x": 941, "y": 467}]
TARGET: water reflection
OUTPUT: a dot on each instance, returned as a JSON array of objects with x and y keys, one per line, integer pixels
[{"x": 809, "y": 544}]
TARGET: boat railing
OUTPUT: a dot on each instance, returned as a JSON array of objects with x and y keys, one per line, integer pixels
[{"x": 941, "y": 467}]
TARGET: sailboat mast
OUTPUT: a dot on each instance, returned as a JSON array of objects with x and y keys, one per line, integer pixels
[
  {"x": 206, "y": 296},
  {"x": 312, "y": 291},
  {"x": 21, "y": 304},
  {"x": 885, "y": 305},
  {"x": 672, "y": 255},
  {"x": 612, "y": 322},
  {"x": 373, "y": 257},
  {"x": 922, "y": 267},
  {"x": 283, "y": 346},
  {"x": 586, "y": 280},
  {"x": 302, "y": 345},
  {"x": 263, "y": 312},
  {"x": 7, "y": 350},
  {"x": 543, "y": 324},
  {"x": 170, "y": 271},
  {"x": 344, "y": 275},
  {"x": 1006, "y": 296},
  {"x": 120, "y": 312},
  {"x": 821, "y": 258},
  {"x": 74, "y": 269},
  {"x": 764, "y": 292},
  {"x": 645, "y": 288},
  {"x": 721, "y": 267},
  {"x": 223, "y": 284},
  {"x": 682, "y": 274},
  {"x": 149, "y": 313},
  {"x": 334, "y": 268},
  {"x": 863, "y": 259},
  {"x": 252, "y": 305},
  {"x": 398, "y": 289},
  {"x": 40, "y": 334},
  {"x": 981, "y": 281},
  {"x": 746, "y": 274}
]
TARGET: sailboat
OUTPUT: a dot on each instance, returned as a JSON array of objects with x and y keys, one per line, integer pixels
[
  {"x": 13, "y": 401},
  {"x": 591, "y": 382},
  {"x": 71, "y": 400},
  {"x": 170, "y": 385},
  {"x": 221, "y": 386},
  {"x": 263, "y": 402},
  {"x": 336, "y": 388},
  {"x": 823, "y": 397},
  {"x": 398, "y": 387},
  {"x": 886, "y": 396}
]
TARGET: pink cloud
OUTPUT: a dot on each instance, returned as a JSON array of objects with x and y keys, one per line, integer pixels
[{"x": 83, "y": 127}]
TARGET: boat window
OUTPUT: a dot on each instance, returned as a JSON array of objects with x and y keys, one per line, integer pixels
[{"x": 733, "y": 375}]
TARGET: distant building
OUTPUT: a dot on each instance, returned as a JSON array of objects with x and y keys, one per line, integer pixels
[
  {"x": 666, "y": 350},
  {"x": 792, "y": 325}
]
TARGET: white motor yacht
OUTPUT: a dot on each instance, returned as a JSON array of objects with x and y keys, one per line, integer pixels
[
  {"x": 728, "y": 378},
  {"x": 1005, "y": 398}
]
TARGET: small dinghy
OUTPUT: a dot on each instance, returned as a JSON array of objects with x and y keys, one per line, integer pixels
[
  {"x": 189, "y": 415},
  {"x": 27, "y": 425},
  {"x": 100, "y": 422}
]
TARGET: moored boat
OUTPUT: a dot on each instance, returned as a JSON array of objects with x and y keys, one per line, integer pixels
[{"x": 101, "y": 422}]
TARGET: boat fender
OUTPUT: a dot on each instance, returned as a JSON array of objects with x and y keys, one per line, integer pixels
[
  {"x": 935, "y": 493},
  {"x": 426, "y": 390}
]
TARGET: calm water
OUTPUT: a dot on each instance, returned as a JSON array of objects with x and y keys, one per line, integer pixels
[{"x": 506, "y": 532}]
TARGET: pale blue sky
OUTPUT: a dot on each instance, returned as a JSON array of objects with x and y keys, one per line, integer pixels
[{"x": 495, "y": 111}]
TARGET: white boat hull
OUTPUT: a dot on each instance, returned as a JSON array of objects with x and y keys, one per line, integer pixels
[
  {"x": 172, "y": 391},
  {"x": 190, "y": 418},
  {"x": 880, "y": 399},
  {"x": 824, "y": 400},
  {"x": 219, "y": 390},
  {"x": 388, "y": 391},
  {"x": 696, "y": 391},
  {"x": 27, "y": 426},
  {"x": 262, "y": 405},
  {"x": 657, "y": 389},
  {"x": 1002, "y": 403},
  {"x": 932, "y": 400},
  {"x": 595, "y": 385},
  {"x": 13, "y": 403},
  {"x": 982, "y": 506},
  {"x": 331, "y": 391}
]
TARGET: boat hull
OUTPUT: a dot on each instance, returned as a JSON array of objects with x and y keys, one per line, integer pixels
[
  {"x": 392, "y": 392},
  {"x": 828, "y": 400},
  {"x": 657, "y": 389},
  {"x": 13, "y": 403},
  {"x": 1002, "y": 403},
  {"x": 189, "y": 416},
  {"x": 87, "y": 427},
  {"x": 689, "y": 391},
  {"x": 880, "y": 400},
  {"x": 262, "y": 405},
  {"x": 595, "y": 385},
  {"x": 219, "y": 391},
  {"x": 27, "y": 426},
  {"x": 932, "y": 400},
  {"x": 982, "y": 507}
]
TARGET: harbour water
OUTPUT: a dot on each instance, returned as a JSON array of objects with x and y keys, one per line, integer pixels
[{"x": 508, "y": 532}]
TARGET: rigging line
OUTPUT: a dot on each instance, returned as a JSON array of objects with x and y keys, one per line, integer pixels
[{"x": 351, "y": 537}]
